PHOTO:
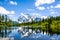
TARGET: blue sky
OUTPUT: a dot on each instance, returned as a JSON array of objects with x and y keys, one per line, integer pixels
[{"x": 40, "y": 8}]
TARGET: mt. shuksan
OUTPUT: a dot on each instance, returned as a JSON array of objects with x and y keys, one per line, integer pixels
[{"x": 27, "y": 18}]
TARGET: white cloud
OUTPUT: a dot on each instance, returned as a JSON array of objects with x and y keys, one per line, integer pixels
[
  {"x": 57, "y": 6},
  {"x": 41, "y": 2},
  {"x": 41, "y": 8},
  {"x": 48, "y": 7},
  {"x": 4, "y": 11},
  {"x": 44, "y": 17},
  {"x": 51, "y": 6},
  {"x": 53, "y": 12},
  {"x": 12, "y": 12},
  {"x": 13, "y": 3},
  {"x": 38, "y": 4},
  {"x": 30, "y": 10},
  {"x": 34, "y": 15}
]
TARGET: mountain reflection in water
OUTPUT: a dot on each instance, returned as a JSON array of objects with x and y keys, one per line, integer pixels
[{"x": 28, "y": 34}]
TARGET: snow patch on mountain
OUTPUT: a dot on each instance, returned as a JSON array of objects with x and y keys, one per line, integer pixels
[{"x": 29, "y": 17}]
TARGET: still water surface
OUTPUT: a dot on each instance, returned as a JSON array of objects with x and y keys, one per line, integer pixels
[{"x": 25, "y": 34}]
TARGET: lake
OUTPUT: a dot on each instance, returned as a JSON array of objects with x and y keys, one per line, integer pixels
[{"x": 21, "y": 33}]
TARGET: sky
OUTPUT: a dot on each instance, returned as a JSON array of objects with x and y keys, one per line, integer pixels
[{"x": 40, "y": 8}]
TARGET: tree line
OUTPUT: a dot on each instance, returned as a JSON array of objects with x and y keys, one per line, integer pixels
[
  {"x": 51, "y": 24},
  {"x": 5, "y": 22}
]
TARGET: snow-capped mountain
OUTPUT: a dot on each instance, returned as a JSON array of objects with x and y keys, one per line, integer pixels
[
  {"x": 27, "y": 18},
  {"x": 24, "y": 18}
]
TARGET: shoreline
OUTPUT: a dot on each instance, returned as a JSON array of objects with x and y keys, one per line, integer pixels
[{"x": 4, "y": 38}]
